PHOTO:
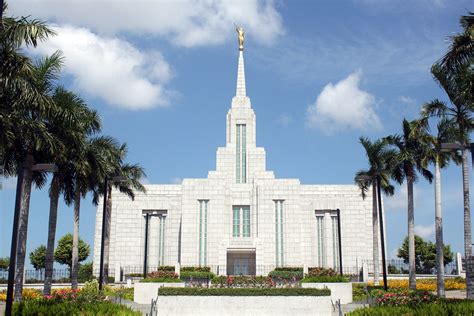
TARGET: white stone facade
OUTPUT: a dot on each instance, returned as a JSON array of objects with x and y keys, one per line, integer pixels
[{"x": 240, "y": 219}]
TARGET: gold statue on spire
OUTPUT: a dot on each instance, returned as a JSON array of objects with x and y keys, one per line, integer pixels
[{"x": 241, "y": 34}]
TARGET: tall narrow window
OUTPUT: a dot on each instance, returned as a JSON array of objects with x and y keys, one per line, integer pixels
[
  {"x": 241, "y": 154},
  {"x": 203, "y": 208},
  {"x": 241, "y": 221},
  {"x": 246, "y": 221},
  {"x": 236, "y": 221},
  {"x": 279, "y": 232},
  {"x": 161, "y": 238},
  {"x": 320, "y": 239},
  {"x": 335, "y": 242}
]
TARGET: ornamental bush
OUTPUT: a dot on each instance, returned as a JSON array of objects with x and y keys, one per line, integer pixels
[
  {"x": 401, "y": 297},
  {"x": 52, "y": 307},
  {"x": 325, "y": 279},
  {"x": 195, "y": 269},
  {"x": 318, "y": 271},
  {"x": 286, "y": 276},
  {"x": 162, "y": 274},
  {"x": 196, "y": 275},
  {"x": 189, "y": 291},
  {"x": 289, "y": 269},
  {"x": 166, "y": 268},
  {"x": 243, "y": 282}
]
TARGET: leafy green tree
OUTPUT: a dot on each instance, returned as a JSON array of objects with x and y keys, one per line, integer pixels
[
  {"x": 63, "y": 252},
  {"x": 38, "y": 257},
  {"x": 379, "y": 157},
  {"x": 410, "y": 159},
  {"x": 425, "y": 254},
  {"x": 4, "y": 263}
]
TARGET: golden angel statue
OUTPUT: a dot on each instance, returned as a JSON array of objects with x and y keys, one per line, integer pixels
[{"x": 241, "y": 34}]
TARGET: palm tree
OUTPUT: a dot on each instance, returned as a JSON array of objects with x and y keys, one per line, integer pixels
[
  {"x": 86, "y": 122},
  {"x": 446, "y": 132},
  {"x": 34, "y": 146},
  {"x": 459, "y": 87},
  {"x": 133, "y": 173},
  {"x": 409, "y": 159},
  {"x": 379, "y": 157},
  {"x": 461, "y": 51}
]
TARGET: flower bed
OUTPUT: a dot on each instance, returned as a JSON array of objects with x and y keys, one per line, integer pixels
[
  {"x": 161, "y": 277},
  {"x": 195, "y": 269},
  {"x": 456, "y": 283},
  {"x": 196, "y": 275},
  {"x": 27, "y": 294},
  {"x": 399, "y": 297},
  {"x": 243, "y": 292},
  {"x": 442, "y": 307}
]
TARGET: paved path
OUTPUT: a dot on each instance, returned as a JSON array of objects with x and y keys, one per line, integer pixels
[{"x": 2, "y": 308}]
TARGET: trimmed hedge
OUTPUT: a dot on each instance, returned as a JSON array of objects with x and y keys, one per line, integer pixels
[
  {"x": 195, "y": 269},
  {"x": 166, "y": 268},
  {"x": 52, "y": 307},
  {"x": 325, "y": 279},
  {"x": 160, "y": 280},
  {"x": 196, "y": 275},
  {"x": 197, "y": 291},
  {"x": 288, "y": 269},
  {"x": 286, "y": 275},
  {"x": 444, "y": 307}
]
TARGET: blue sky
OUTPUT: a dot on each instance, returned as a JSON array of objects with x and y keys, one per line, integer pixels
[{"x": 319, "y": 74}]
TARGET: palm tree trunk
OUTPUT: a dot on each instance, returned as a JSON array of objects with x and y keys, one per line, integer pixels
[
  {"x": 411, "y": 235},
  {"x": 439, "y": 231},
  {"x": 53, "y": 215},
  {"x": 107, "y": 233},
  {"x": 467, "y": 226},
  {"x": 375, "y": 234},
  {"x": 23, "y": 232},
  {"x": 75, "y": 240}
]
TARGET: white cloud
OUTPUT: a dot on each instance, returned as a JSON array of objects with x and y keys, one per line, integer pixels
[
  {"x": 343, "y": 106},
  {"x": 284, "y": 119},
  {"x": 406, "y": 100},
  {"x": 185, "y": 23},
  {"x": 111, "y": 68},
  {"x": 399, "y": 201},
  {"x": 425, "y": 231}
]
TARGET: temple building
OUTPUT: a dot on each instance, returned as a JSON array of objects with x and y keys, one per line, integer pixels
[{"x": 241, "y": 219}]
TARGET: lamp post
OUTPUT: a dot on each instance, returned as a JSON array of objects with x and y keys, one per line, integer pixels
[
  {"x": 382, "y": 233},
  {"x": 104, "y": 227},
  {"x": 29, "y": 165}
]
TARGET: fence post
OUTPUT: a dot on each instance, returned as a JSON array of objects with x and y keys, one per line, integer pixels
[
  {"x": 117, "y": 273},
  {"x": 459, "y": 271},
  {"x": 365, "y": 272},
  {"x": 177, "y": 269}
]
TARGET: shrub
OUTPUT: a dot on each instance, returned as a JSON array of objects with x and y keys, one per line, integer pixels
[
  {"x": 195, "y": 269},
  {"x": 318, "y": 271},
  {"x": 52, "y": 307},
  {"x": 166, "y": 268},
  {"x": 63, "y": 294},
  {"x": 442, "y": 307},
  {"x": 399, "y": 297},
  {"x": 85, "y": 272},
  {"x": 196, "y": 275},
  {"x": 162, "y": 274},
  {"x": 286, "y": 276},
  {"x": 189, "y": 291},
  {"x": 90, "y": 292},
  {"x": 134, "y": 275},
  {"x": 243, "y": 282},
  {"x": 288, "y": 269},
  {"x": 120, "y": 292},
  {"x": 326, "y": 279}
]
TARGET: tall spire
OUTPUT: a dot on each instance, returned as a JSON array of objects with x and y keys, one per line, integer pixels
[{"x": 241, "y": 91}]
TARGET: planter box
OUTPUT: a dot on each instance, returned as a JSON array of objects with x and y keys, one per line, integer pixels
[
  {"x": 145, "y": 291},
  {"x": 339, "y": 291},
  {"x": 244, "y": 305}
]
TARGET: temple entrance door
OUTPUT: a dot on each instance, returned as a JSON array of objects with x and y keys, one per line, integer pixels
[{"x": 241, "y": 263}]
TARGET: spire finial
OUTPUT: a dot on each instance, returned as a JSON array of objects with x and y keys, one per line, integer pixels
[{"x": 241, "y": 36}]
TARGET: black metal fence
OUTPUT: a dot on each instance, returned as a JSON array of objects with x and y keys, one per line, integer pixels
[
  {"x": 33, "y": 276},
  {"x": 398, "y": 266}
]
